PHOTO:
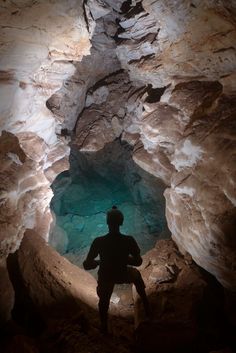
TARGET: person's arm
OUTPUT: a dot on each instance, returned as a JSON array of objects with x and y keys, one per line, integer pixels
[
  {"x": 134, "y": 258},
  {"x": 90, "y": 263}
]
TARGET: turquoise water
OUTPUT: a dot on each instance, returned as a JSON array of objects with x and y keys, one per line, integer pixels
[{"x": 96, "y": 182}]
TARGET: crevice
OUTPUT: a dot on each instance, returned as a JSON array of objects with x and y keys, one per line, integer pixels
[
  {"x": 135, "y": 10},
  {"x": 103, "y": 81},
  {"x": 154, "y": 94},
  {"x": 223, "y": 49},
  {"x": 141, "y": 59},
  {"x": 85, "y": 15}
]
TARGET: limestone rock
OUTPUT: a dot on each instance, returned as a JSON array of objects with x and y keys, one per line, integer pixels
[
  {"x": 62, "y": 291},
  {"x": 98, "y": 9},
  {"x": 6, "y": 294},
  {"x": 40, "y": 42},
  {"x": 58, "y": 283},
  {"x": 114, "y": 4},
  {"x": 175, "y": 290},
  {"x": 138, "y": 40},
  {"x": 90, "y": 127},
  {"x": 183, "y": 134},
  {"x": 188, "y": 141},
  {"x": 204, "y": 190},
  {"x": 186, "y": 43},
  {"x": 26, "y": 192},
  {"x": 156, "y": 164},
  {"x": 109, "y": 112},
  {"x": 68, "y": 102},
  {"x": 36, "y": 55},
  {"x": 195, "y": 98}
]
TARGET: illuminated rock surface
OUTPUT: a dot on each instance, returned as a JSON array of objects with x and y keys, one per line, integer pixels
[
  {"x": 182, "y": 300},
  {"x": 165, "y": 121},
  {"x": 161, "y": 76},
  {"x": 37, "y": 54},
  {"x": 175, "y": 288}
]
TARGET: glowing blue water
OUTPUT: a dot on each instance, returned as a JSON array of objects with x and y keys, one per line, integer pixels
[{"x": 96, "y": 182}]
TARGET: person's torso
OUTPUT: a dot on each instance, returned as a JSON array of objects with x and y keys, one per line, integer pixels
[{"x": 114, "y": 251}]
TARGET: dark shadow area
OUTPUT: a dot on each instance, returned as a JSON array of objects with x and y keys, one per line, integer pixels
[{"x": 154, "y": 94}]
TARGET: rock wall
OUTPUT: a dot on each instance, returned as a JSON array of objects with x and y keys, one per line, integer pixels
[
  {"x": 40, "y": 41},
  {"x": 169, "y": 41},
  {"x": 58, "y": 283},
  {"x": 177, "y": 109},
  {"x": 187, "y": 136},
  {"x": 164, "y": 82},
  {"x": 7, "y": 296}
]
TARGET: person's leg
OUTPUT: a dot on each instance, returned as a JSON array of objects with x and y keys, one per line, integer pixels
[
  {"x": 135, "y": 277},
  {"x": 104, "y": 291}
]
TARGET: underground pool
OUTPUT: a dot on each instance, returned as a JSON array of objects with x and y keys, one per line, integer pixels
[{"x": 96, "y": 182}]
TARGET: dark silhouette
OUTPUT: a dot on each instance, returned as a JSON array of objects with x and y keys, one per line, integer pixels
[{"x": 118, "y": 253}]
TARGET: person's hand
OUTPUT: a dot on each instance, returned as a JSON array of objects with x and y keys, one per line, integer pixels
[
  {"x": 90, "y": 265},
  {"x": 134, "y": 261},
  {"x": 97, "y": 262}
]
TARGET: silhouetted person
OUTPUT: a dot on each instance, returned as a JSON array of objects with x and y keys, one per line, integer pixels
[{"x": 117, "y": 254}]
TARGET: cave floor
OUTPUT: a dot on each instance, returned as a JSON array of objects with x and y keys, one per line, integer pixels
[{"x": 187, "y": 308}]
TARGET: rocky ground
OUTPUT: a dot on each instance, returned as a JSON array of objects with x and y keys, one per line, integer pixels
[{"x": 56, "y": 306}]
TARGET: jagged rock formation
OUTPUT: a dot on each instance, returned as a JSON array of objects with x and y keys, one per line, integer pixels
[
  {"x": 181, "y": 124},
  {"x": 68, "y": 102},
  {"x": 39, "y": 43},
  {"x": 176, "y": 290},
  {"x": 182, "y": 41},
  {"x": 173, "y": 101},
  {"x": 37, "y": 55}
]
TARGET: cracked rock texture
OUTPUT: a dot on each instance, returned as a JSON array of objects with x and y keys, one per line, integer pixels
[
  {"x": 158, "y": 74},
  {"x": 40, "y": 41},
  {"x": 180, "y": 301},
  {"x": 177, "y": 109},
  {"x": 179, "y": 40}
]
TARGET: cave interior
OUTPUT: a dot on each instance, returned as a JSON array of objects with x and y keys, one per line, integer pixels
[{"x": 127, "y": 103}]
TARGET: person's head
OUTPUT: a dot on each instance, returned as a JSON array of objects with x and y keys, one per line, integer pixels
[{"x": 115, "y": 218}]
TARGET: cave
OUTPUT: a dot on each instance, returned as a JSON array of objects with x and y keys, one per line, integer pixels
[
  {"x": 127, "y": 103},
  {"x": 94, "y": 183}
]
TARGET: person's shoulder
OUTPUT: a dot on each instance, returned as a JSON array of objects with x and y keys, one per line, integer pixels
[
  {"x": 131, "y": 241},
  {"x": 100, "y": 239},
  {"x": 128, "y": 238}
]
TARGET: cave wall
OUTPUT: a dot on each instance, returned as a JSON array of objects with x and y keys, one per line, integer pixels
[
  {"x": 39, "y": 43},
  {"x": 177, "y": 108},
  {"x": 166, "y": 85}
]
